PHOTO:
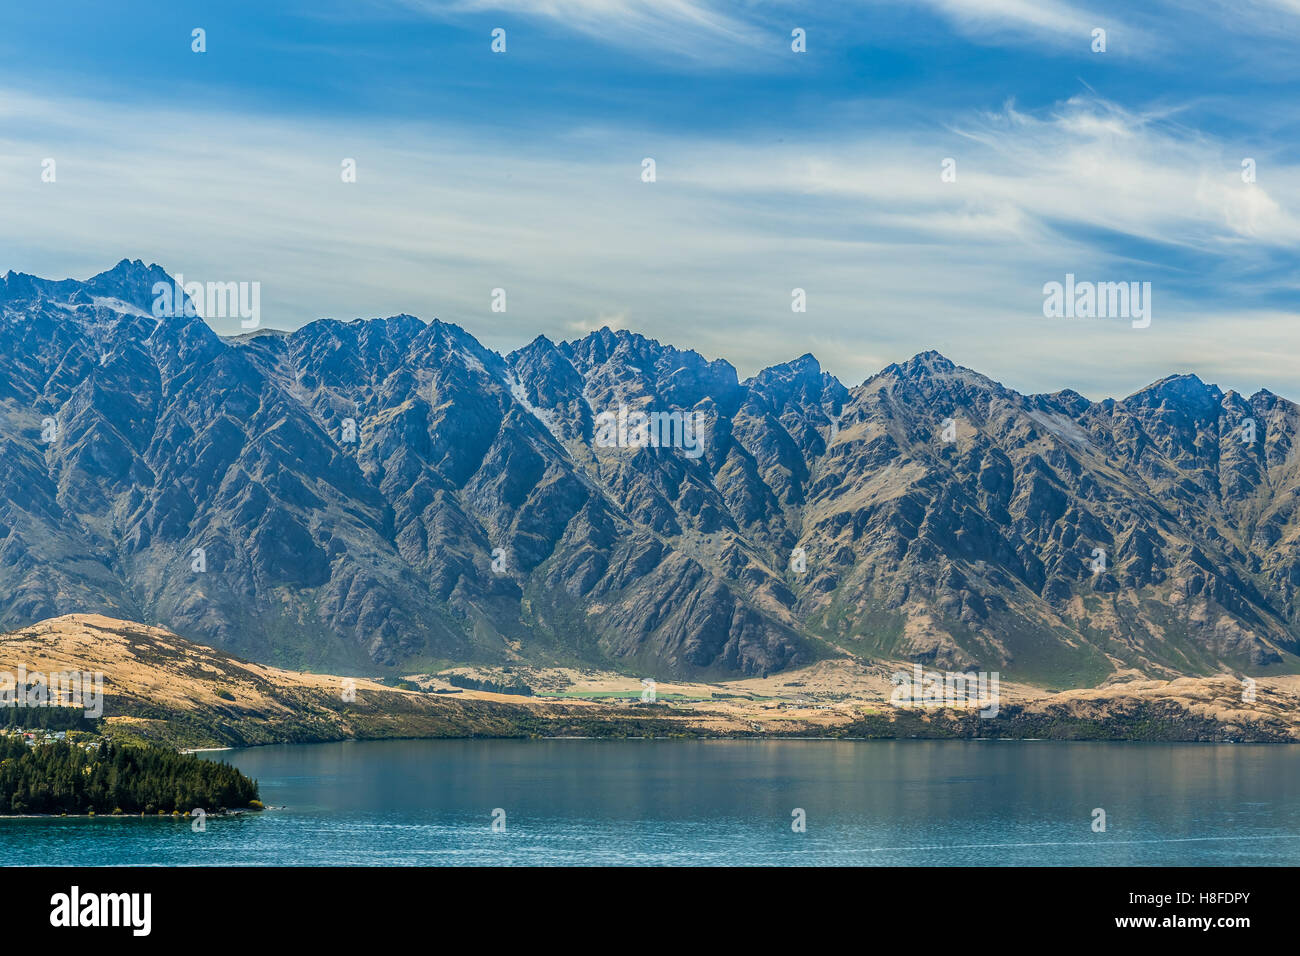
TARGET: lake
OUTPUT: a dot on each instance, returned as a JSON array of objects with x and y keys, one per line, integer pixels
[{"x": 652, "y": 802}]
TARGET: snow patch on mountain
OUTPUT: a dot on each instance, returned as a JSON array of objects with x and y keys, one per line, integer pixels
[
  {"x": 1062, "y": 428},
  {"x": 117, "y": 305},
  {"x": 545, "y": 416}
]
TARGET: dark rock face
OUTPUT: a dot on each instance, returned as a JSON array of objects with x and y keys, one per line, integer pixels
[{"x": 389, "y": 492}]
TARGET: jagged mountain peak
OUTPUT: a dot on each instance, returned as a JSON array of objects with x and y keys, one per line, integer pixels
[
  {"x": 391, "y": 492},
  {"x": 20, "y": 285},
  {"x": 931, "y": 360},
  {"x": 401, "y": 319},
  {"x": 402, "y": 322},
  {"x": 539, "y": 346},
  {"x": 618, "y": 365},
  {"x": 128, "y": 286},
  {"x": 800, "y": 383},
  {"x": 805, "y": 366},
  {"x": 933, "y": 377},
  {"x": 130, "y": 281},
  {"x": 131, "y": 270},
  {"x": 1065, "y": 398},
  {"x": 1184, "y": 391},
  {"x": 451, "y": 335},
  {"x": 603, "y": 344},
  {"x": 928, "y": 365}
]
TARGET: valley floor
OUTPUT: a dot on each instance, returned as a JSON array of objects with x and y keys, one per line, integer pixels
[
  {"x": 846, "y": 697},
  {"x": 161, "y": 688}
]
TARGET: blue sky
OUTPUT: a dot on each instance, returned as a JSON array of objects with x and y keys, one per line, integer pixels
[{"x": 775, "y": 170}]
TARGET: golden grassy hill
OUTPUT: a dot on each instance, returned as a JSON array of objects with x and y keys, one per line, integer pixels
[{"x": 161, "y": 687}]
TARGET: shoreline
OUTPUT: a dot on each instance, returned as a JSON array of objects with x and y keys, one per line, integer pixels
[
  {"x": 176, "y": 817},
  {"x": 775, "y": 739}
]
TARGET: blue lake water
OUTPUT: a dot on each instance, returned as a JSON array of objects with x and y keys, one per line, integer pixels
[{"x": 650, "y": 802}]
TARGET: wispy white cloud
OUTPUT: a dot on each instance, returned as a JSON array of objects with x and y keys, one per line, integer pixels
[
  {"x": 698, "y": 30},
  {"x": 1250, "y": 16},
  {"x": 1088, "y": 163},
  {"x": 1042, "y": 18},
  {"x": 893, "y": 260},
  {"x": 707, "y": 28},
  {"x": 719, "y": 34}
]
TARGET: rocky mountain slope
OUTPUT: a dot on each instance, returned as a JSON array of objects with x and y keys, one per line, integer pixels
[{"x": 389, "y": 494}]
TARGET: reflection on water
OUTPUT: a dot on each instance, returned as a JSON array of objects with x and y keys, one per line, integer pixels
[{"x": 646, "y": 802}]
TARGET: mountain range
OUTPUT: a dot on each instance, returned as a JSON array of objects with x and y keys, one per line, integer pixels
[{"x": 389, "y": 495}]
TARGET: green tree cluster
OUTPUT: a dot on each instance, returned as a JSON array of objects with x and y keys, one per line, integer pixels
[{"x": 62, "y": 778}]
